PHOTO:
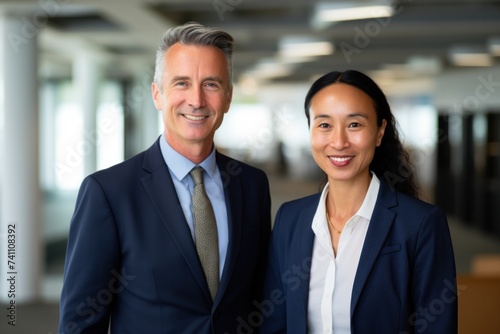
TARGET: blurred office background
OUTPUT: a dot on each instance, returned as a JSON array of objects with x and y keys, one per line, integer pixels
[{"x": 75, "y": 97}]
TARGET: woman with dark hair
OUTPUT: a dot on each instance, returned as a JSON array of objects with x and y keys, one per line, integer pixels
[{"x": 365, "y": 255}]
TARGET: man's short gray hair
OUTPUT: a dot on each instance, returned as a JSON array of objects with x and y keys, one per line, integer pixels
[{"x": 193, "y": 33}]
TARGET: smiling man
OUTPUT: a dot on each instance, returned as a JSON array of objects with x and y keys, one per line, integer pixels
[
  {"x": 193, "y": 95},
  {"x": 140, "y": 259}
]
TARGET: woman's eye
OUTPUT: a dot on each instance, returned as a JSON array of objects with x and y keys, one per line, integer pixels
[
  {"x": 354, "y": 125},
  {"x": 324, "y": 125}
]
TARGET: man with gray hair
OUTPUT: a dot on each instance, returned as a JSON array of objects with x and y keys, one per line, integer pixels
[{"x": 174, "y": 239}]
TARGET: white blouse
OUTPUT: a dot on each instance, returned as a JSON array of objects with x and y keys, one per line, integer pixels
[{"x": 332, "y": 277}]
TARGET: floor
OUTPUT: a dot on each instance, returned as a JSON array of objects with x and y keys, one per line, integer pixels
[{"x": 42, "y": 317}]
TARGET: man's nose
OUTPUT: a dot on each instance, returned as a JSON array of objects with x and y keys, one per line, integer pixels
[{"x": 196, "y": 97}]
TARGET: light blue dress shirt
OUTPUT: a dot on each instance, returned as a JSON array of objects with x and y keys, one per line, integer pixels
[{"x": 179, "y": 167}]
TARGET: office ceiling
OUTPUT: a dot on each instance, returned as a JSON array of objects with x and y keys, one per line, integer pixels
[{"x": 414, "y": 43}]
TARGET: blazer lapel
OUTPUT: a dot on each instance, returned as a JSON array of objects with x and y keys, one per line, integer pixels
[
  {"x": 380, "y": 225},
  {"x": 304, "y": 255},
  {"x": 161, "y": 190},
  {"x": 305, "y": 249}
]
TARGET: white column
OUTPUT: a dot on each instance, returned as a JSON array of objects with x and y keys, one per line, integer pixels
[
  {"x": 87, "y": 74},
  {"x": 21, "y": 244},
  {"x": 47, "y": 145},
  {"x": 140, "y": 111},
  {"x": 150, "y": 126},
  {"x": 135, "y": 92}
]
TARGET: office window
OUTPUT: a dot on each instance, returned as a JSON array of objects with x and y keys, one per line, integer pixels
[{"x": 65, "y": 142}]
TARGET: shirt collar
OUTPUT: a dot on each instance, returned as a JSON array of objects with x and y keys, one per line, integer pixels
[
  {"x": 365, "y": 211},
  {"x": 180, "y": 166}
]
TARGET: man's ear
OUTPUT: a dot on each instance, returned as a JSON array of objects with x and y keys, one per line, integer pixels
[
  {"x": 156, "y": 94},
  {"x": 229, "y": 99}
]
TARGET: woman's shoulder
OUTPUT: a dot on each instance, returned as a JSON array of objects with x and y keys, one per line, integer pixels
[
  {"x": 298, "y": 211},
  {"x": 389, "y": 194},
  {"x": 294, "y": 217},
  {"x": 409, "y": 208}
]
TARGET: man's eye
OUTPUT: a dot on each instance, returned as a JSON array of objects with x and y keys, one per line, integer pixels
[
  {"x": 354, "y": 125},
  {"x": 212, "y": 85}
]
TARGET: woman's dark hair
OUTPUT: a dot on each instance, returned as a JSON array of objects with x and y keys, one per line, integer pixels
[{"x": 391, "y": 161}]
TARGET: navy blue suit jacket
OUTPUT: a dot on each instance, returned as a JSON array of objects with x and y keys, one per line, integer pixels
[
  {"x": 131, "y": 260},
  {"x": 405, "y": 281}
]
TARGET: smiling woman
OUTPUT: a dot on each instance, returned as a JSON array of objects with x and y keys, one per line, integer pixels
[
  {"x": 390, "y": 157},
  {"x": 344, "y": 132},
  {"x": 377, "y": 254}
]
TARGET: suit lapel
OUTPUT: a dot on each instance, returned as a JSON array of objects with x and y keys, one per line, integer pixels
[
  {"x": 161, "y": 190},
  {"x": 376, "y": 235},
  {"x": 232, "y": 194}
]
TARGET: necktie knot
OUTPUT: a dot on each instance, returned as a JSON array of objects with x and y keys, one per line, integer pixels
[{"x": 197, "y": 175}]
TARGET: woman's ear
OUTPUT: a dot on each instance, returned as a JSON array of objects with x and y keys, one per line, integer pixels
[{"x": 381, "y": 131}]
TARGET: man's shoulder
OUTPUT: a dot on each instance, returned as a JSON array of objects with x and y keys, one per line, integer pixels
[
  {"x": 234, "y": 167},
  {"x": 122, "y": 174},
  {"x": 128, "y": 165},
  {"x": 142, "y": 162}
]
